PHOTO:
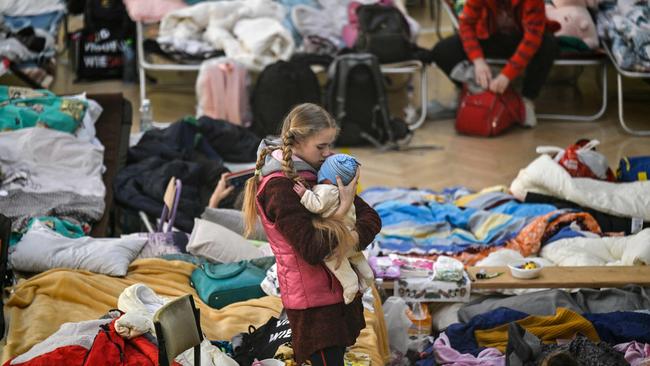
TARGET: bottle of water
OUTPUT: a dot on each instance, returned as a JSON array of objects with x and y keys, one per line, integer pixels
[
  {"x": 128, "y": 57},
  {"x": 146, "y": 116}
]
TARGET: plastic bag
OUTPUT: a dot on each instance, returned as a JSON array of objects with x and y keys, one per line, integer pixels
[
  {"x": 447, "y": 269},
  {"x": 397, "y": 323},
  {"x": 581, "y": 160}
]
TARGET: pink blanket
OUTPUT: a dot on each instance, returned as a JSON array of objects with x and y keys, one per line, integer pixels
[{"x": 151, "y": 11}]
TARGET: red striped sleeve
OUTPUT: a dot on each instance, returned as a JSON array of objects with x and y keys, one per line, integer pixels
[
  {"x": 533, "y": 22},
  {"x": 469, "y": 19}
]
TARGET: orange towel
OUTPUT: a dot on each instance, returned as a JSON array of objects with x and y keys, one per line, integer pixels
[{"x": 565, "y": 324}]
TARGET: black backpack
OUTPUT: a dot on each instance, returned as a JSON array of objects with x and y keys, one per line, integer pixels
[
  {"x": 384, "y": 32},
  {"x": 104, "y": 49},
  {"x": 262, "y": 343},
  {"x": 280, "y": 87},
  {"x": 109, "y": 14},
  {"x": 356, "y": 97}
]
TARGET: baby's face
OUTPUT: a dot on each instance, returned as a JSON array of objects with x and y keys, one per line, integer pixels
[{"x": 327, "y": 181}]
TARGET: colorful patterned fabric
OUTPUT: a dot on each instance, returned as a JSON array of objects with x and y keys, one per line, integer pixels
[
  {"x": 442, "y": 228},
  {"x": 24, "y": 107},
  {"x": 534, "y": 235}
]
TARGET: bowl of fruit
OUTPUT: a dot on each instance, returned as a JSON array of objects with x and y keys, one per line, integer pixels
[{"x": 526, "y": 268}]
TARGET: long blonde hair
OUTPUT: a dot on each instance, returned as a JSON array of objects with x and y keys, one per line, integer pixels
[{"x": 304, "y": 121}]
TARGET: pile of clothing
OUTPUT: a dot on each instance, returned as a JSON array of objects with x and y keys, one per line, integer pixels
[
  {"x": 191, "y": 150},
  {"x": 51, "y": 163},
  {"x": 28, "y": 31},
  {"x": 626, "y": 25},
  {"x": 249, "y": 32},
  {"x": 590, "y": 327},
  {"x": 255, "y": 33}
]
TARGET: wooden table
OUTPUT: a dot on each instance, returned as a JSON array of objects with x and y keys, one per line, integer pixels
[{"x": 562, "y": 277}]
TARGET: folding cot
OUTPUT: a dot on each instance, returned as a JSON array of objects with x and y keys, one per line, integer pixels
[{"x": 620, "y": 72}]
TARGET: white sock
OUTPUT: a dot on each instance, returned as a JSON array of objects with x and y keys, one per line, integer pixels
[{"x": 530, "y": 120}]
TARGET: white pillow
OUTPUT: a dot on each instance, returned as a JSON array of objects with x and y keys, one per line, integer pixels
[
  {"x": 41, "y": 249},
  {"x": 220, "y": 244}
]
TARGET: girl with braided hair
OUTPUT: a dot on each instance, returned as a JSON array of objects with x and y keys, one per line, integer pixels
[{"x": 322, "y": 325}]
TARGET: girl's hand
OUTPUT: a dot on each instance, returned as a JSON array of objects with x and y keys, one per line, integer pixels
[
  {"x": 346, "y": 194},
  {"x": 220, "y": 192},
  {"x": 300, "y": 189},
  {"x": 482, "y": 73},
  {"x": 500, "y": 84}
]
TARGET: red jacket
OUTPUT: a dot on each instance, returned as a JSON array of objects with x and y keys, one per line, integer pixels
[
  {"x": 69, "y": 347},
  {"x": 478, "y": 21}
]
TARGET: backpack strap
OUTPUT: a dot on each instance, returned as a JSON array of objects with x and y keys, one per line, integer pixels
[{"x": 381, "y": 97}]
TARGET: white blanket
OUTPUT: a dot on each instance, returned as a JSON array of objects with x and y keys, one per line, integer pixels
[
  {"x": 547, "y": 177},
  {"x": 610, "y": 251},
  {"x": 254, "y": 44}
]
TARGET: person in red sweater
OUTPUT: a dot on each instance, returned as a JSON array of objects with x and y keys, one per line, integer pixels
[
  {"x": 516, "y": 30},
  {"x": 322, "y": 325}
]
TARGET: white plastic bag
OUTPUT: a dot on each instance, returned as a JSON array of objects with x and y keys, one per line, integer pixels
[
  {"x": 397, "y": 323},
  {"x": 447, "y": 269}
]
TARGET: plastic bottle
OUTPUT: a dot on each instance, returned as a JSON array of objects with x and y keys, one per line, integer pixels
[
  {"x": 146, "y": 116},
  {"x": 128, "y": 57},
  {"x": 421, "y": 323}
]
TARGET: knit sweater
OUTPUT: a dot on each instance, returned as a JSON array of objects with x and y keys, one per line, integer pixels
[
  {"x": 479, "y": 21},
  {"x": 565, "y": 324},
  {"x": 314, "y": 329}
]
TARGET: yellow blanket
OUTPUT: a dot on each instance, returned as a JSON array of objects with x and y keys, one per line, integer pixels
[{"x": 41, "y": 304}]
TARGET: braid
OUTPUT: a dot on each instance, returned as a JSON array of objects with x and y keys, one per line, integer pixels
[
  {"x": 261, "y": 160},
  {"x": 249, "y": 207},
  {"x": 289, "y": 170}
]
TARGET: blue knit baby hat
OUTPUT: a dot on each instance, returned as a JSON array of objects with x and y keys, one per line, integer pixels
[{"x": 342, "y": 165}]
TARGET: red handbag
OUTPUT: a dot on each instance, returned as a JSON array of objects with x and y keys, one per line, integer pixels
[{"x": 488, "y": 113}]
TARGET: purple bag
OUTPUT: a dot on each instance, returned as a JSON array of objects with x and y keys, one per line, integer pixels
[{"x": 164, "y": 240}]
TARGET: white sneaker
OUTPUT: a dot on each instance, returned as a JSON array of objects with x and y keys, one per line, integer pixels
[{"x": 530, "y": 120}]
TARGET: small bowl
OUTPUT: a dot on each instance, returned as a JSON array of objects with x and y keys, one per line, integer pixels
[{"x": 518, "y": 272}]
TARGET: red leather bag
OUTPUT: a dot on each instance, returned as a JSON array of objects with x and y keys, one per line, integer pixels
[{"x": 489, "y": 114}]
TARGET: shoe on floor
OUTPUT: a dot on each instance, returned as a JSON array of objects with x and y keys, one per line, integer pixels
[{"x": 530, "y": 120}]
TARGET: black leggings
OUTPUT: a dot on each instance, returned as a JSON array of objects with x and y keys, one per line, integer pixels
[
  {"x": 449, "y": 52},
  {"x": 331, "y": 356}
]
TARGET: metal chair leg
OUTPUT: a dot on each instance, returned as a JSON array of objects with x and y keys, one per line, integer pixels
[
  {"x": 589, "y": 118},
  {"x": 620, "y": 111},
  {"x": 437, "y": 5},
  {"x": 424, "y": 99},
  {"x": 143, "y": 79}
]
